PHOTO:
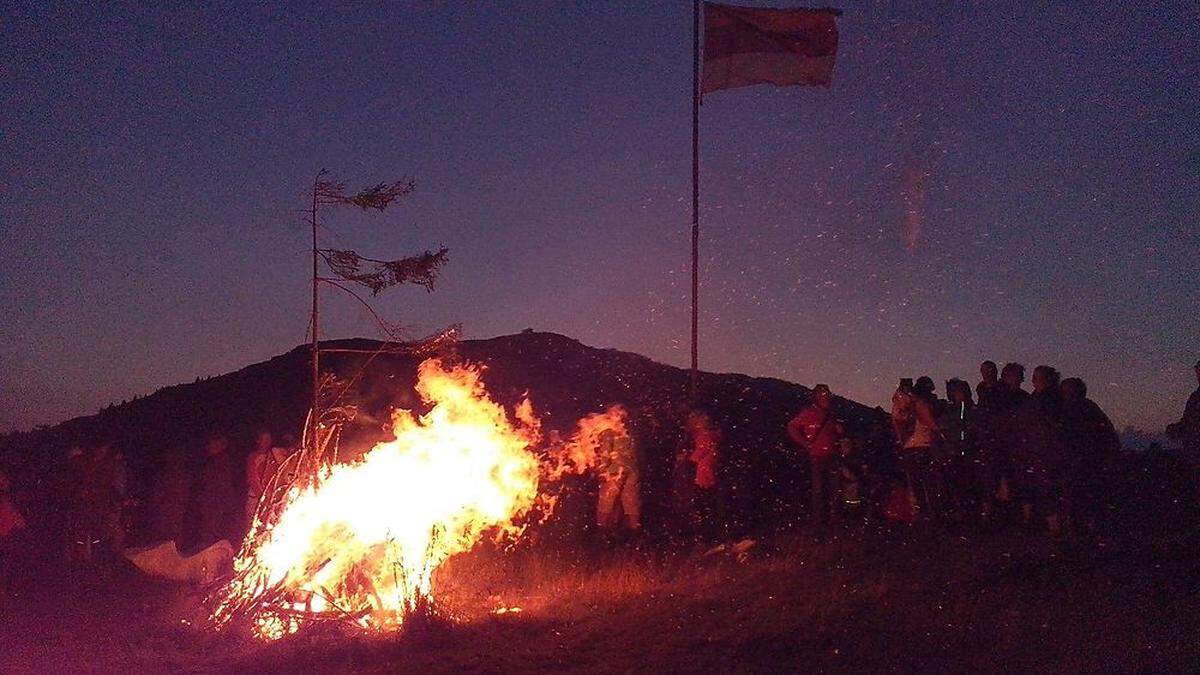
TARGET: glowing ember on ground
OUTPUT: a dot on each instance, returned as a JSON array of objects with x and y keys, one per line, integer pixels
[{"x": 361, "y": 543}]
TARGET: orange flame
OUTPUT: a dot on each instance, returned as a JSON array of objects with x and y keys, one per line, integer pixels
[
  {"x": 579, "y": 453},
  {"x": 363, "y": 540}
]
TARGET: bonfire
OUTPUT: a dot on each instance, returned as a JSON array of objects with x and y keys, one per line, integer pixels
[{"x": 358, "y": 543}]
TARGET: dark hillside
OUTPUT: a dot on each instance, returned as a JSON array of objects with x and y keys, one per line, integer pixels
[{"x": 565, "y": 379}]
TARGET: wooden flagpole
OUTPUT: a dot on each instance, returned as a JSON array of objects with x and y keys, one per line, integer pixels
[
  {"x": 316, "y": 367},
  {"x": 695, "y": 372}
]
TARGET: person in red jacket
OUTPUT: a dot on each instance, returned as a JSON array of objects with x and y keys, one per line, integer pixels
[
  {"x": 12, "y": 541},
  {"x": 818, "y": 432},
  {"x": 705, "y": 449},
  {"x": 704, "y": 453}
]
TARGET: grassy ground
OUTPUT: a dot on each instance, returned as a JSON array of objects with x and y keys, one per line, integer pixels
[{"x": 884, "y": 601}]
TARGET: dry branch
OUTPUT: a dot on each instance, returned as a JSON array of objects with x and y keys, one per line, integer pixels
[{"x": 378, "y": 275}]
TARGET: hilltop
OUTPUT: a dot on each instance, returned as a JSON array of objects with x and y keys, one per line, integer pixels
[{"x": 564, "y": 378}]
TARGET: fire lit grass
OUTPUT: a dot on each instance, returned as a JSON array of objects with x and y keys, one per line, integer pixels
[
  {"x": 1001, "y": 601},
  {"x": 940, "y": 604}
]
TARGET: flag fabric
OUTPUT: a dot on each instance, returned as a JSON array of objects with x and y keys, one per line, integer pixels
[{"x": 744, "y": 46}]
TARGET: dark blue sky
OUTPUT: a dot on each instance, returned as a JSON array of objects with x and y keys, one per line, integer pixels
[{"x": 153, "y": 163}]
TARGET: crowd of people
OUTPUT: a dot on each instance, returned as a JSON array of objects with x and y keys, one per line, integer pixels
[
  {"x": 1042, "y": 457},
  {"x": 193, "y": 501}
]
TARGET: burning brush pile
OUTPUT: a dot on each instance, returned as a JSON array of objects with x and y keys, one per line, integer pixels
[{"x": 358, "y": 543}]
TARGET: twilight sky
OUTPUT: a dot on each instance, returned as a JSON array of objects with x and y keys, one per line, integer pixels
[{"x": 984, "y": 180}]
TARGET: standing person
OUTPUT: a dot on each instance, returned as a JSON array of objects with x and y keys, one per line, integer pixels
[
  {"x": 988, "y": 385},
  {"x": 216, "y": 498},
  {"x": 1092, "y": 448},
  {"x": 902, "y": 419},
  {"x": 261, "y": 466},
  {"x": 12, "y": 530},
  {"x": 818, "y": 431},
  {"x": 1039, "y": 450},
  {"x": 914, "y": 411},
  {"x": 986, "y": 476},
  {"x": 105, "y": 489},
  {"x": 169, "y": 498},
  {"x": 927, "y": 390},
  {"x": 704, "y": 454},
  {"x": 1187, "y": 430},
  {"x": 76, "y": 547},
  {"x": 620, "y": 496},
  {"x": 960, "y": 463},
  {"x": 999, "y": 433}
]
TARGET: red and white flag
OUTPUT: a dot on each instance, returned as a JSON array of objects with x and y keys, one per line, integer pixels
[{"x": 744, "y": 46}]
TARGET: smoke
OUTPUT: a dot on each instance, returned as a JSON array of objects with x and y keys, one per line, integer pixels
[{"x": 912, "y": 194}]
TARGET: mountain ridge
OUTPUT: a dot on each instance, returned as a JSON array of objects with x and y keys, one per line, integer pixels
[{"x": 564, "y": 378}]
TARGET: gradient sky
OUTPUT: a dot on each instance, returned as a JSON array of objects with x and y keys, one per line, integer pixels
[{"x": 154, "y": 162}]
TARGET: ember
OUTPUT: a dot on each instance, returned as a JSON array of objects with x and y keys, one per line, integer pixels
[{"x": 361, "y": 542}]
